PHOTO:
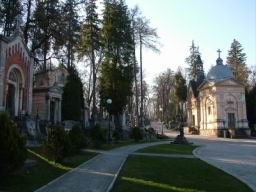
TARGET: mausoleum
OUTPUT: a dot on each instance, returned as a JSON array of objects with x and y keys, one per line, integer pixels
[{"x": 216, "y": 104}]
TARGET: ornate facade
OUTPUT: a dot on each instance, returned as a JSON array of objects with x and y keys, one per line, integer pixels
[
  {"x": 216, "y": 106},
  {"x": 16, "y": 75},
  {"x": 47, "y": 94}
]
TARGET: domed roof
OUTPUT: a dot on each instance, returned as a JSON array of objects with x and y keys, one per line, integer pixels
[{"x": 219, "y": 71}]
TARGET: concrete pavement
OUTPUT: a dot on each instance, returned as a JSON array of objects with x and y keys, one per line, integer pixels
[
  {"x": 97, "y": 174},
  {"x": 234, "y": 156}
]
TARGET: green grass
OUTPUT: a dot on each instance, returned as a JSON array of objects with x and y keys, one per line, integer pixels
[
  {"x": 161, "y": 174},
  {"x": 169, "y": 149},
  {"x": 122, "y": 143},
  {"x": 31, "y": 178}
]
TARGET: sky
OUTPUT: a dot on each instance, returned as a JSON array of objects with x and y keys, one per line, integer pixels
[{"x": 212, "y": 24}]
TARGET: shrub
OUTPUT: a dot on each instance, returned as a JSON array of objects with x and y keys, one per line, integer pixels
[
  {"x": 116, "y": 135},
  {"x": 77, "y": 137},
  {"x": 12, "y": 146},
  {"x": 136, "y": 134},
  {"x": 55, "y": 143},
  {"x": 160, "y": 136},
  {"x": 98, "y": 136},
  {"x": 69, "y": 148}
]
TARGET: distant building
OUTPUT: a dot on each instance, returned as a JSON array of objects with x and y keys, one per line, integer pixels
[
  {"x": 216, "y": 103},
  {"x": 16, "y": 75},
  {"x": 47, "y": 94}
]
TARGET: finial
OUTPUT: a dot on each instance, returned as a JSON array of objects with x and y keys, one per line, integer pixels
[
  {"x": 219, "y": 51},
  {"x": 193, "y": 45},
  {"x": 18, "y": 22},
  {"x": 219, "y": 61}
]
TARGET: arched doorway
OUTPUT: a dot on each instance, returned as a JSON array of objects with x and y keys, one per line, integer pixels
[{"x": 14, "y": 95}]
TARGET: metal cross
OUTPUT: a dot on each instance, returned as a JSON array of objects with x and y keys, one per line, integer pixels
[{"x": 219, "y": 51}]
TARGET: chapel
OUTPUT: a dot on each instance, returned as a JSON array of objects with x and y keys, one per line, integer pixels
[
  {"x": 16, "y": 75},
  {"x": 216, "y": 103}
]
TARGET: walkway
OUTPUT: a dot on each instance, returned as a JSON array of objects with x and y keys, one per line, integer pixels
[
  {"x": 96, "y": 175},
  {"x": 234, "y": 156}
]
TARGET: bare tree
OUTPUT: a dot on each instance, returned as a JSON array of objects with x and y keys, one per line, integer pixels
[{"x": 145, "y": 37}]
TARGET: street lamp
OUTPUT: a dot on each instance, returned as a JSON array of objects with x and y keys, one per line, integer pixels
[
  {"x": 161, "y": 115},
  {"x": 109, "y": 102}
]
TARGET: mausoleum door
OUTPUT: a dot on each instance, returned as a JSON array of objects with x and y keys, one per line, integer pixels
[
  {"x": 10, "y": 101},
  {"x": 231, "y": 120},
  {"x": 14, "y": 93},
  {"x": 52, "y": 112}
]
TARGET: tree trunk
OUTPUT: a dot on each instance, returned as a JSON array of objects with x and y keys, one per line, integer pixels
[
  {"x": 94, "y": 80},
  {"x": 27, "y": 25},
  {"x": 136, "y": 83},
  {"x": 141, "y": 87}
]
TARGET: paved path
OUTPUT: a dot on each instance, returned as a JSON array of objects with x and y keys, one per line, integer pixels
[
  {"x": 234, "y": 156},
  {"x": 97, "y": 174}
]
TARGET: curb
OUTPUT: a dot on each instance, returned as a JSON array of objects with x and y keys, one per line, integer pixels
[
  {"x": 197, "y": 154},
  {"x": 111, "y": 185},
  {"x": 60, "y": 177}
]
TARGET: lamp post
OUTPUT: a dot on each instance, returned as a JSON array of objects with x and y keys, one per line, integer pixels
[
  {"x": 161, "y": 115},
  {"x": 109, "y": 102}
]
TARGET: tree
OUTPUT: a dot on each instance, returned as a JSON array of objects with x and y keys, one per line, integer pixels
[
  {"x": 180, "y": 91},
  {"x": 164, "y": 92},
  {"x": 147, "y": 37},
  {"x": 180, "y": 87},
  {"x": 28, "y": 21},
  {"x": 90, "y": 45},
  {"x": 117, "y": 67},
  {"x": 10, "y": 9},
  {"x": 67, "y": 44},
  {"x": 46, "y": 29},
  {"x": 194, "y": 64},
  {"x": 134, "y": 13},
  {"x": 251, "y": 106},
  {"x": 236, "y": 60},
  {"x": 72, "y": 98}
]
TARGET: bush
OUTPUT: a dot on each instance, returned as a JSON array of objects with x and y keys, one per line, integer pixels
[
  {"x": 136, "y": 134},
  {"x": 12, "y": 146},
  {"x": 69, "y": 148},
  {"x": 117, "y": 135},
  {"x": 160, "y": 136},
  {"x": 54, "y": 145},
  {"x": 77, "y": 137},
  {"x": 98, "y": 136}
]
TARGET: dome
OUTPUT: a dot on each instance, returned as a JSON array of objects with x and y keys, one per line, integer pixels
[{"x": 219, "y": 72}]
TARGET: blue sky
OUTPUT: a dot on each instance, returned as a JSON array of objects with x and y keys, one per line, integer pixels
[{"x": 212, "y": 24}]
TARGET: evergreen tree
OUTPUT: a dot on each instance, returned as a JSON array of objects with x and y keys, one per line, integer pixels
[
  {"x": 66, "y": 45},
  {"x": 117, "y": 67},
  {"x": 180, "y": 87},
  {"x": 46, "y": 28},
  {"x": 251, "y": 106},
  {"x": 28, "y": 21},
  {"x": 10, "y": 9},
  {"x": 194, "y": 62},
  {"x": 72, "y": 97},
  {"x": 90, "y": 44},
  {"x": 236, "y": 60}
]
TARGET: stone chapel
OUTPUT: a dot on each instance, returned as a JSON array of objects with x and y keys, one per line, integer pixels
[{"x": 216, "y": 103}]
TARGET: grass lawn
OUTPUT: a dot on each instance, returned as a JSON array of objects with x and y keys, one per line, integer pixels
[
  {"x": 122, "y": 143},
  {"x": 31, "y": 178},
  {"x": 161, "y": 174},
  {"x": 169, "y": 149}
]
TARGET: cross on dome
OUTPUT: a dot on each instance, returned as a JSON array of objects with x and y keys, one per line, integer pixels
[{"x": 219, "y": 51}]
